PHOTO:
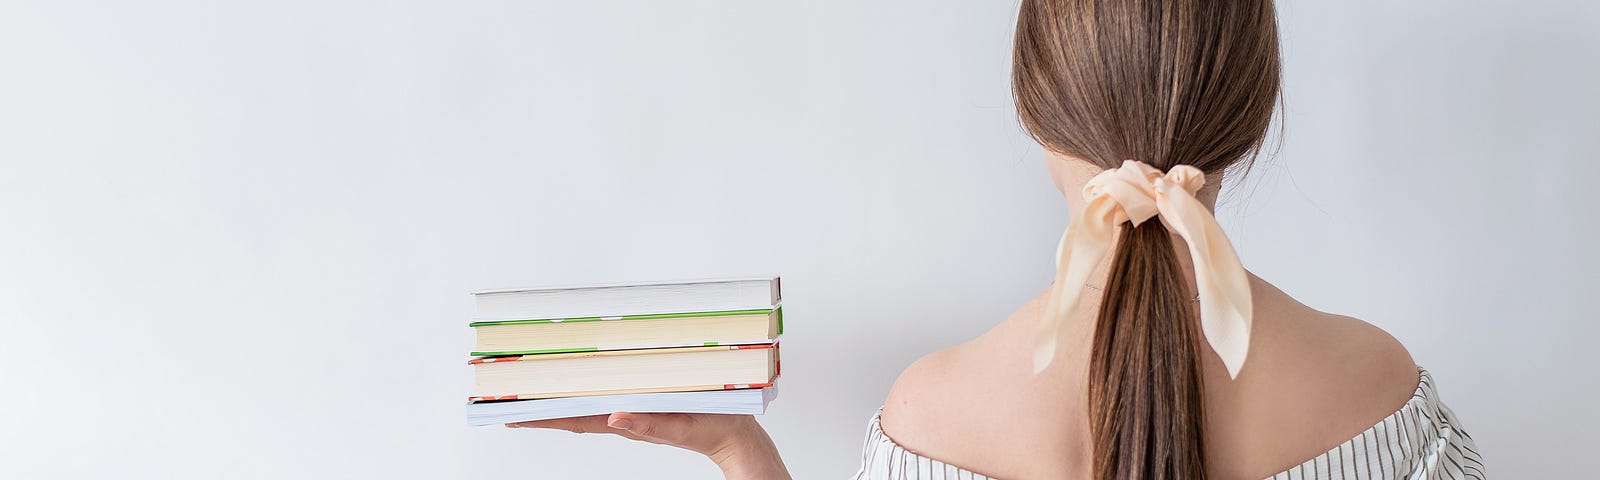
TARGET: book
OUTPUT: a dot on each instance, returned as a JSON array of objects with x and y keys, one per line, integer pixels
[
  {"x": 587, "y": 334},
  {"x": 631, "y": 299},
  {"x": 555, "y": 375},
  {"x": 746, "y": 401}
]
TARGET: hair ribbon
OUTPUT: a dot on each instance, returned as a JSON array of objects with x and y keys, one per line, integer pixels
[{"x": 1135, "y": 193}]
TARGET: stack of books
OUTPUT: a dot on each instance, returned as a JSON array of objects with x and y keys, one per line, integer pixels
[{"x": 689, "y": 347}]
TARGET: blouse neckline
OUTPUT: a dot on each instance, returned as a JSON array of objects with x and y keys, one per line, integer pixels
[{"x": 1423, "y": 399}]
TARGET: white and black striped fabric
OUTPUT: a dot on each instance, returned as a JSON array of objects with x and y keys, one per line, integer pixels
[
  {"x": 1423, "y": 440},
  {"x": 882, "y": 459}
]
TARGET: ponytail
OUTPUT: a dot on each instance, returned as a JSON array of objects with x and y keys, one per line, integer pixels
[
  {"x": 1174, "y": 84},
  {"x": 1146, "y": 410}
]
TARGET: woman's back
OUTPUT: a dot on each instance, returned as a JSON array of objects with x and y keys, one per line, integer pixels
[{"x": 1314, "y": 381}]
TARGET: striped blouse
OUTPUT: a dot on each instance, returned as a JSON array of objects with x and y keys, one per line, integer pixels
[{"x": 1423, "y": 440}]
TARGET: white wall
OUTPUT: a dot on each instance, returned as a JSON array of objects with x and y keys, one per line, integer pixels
[{"x": 235, "y": 239}]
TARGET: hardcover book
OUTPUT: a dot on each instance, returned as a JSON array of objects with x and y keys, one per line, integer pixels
[
  {"x": 759, "y": 293},
  {"x": 587, "y": 334},
  {"x": 746, "y": 401},
  {"x": 623, "y": 371}
]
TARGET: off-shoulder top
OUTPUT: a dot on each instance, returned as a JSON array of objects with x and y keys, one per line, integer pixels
[{"x": 1423, "y": 440}]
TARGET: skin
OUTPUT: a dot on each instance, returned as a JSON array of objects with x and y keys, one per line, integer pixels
[{"x": 1312, "y": 381}]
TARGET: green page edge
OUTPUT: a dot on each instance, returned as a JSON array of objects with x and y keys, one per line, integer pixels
[
  {"x": 535, "y": 352},
  {"x": 596, "y": 349},
  {"x": 637, "y": 317}
]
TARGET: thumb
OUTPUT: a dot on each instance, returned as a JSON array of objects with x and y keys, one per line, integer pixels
[{"x": 668, "y": 428}]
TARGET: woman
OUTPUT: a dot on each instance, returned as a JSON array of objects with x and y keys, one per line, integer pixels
[{"x": 1154, "y": 354}]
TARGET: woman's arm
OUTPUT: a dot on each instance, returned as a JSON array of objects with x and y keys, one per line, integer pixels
[{"x": 737, "y": 443}]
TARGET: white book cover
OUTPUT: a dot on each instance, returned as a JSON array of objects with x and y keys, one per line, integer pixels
[
  {"x": 615, "y": 300},
  {"x": 748, "y": 401}
]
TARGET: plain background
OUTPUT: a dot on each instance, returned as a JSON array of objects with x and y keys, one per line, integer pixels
[{"x": 236, "y": 238}]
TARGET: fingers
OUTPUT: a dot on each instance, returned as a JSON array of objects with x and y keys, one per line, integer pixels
[
  {"x": 669, "y": 428},
  {"x": 599, "y": 424},
  {"x": 675, "y": 429}
]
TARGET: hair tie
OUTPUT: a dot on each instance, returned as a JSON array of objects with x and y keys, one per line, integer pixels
[{"x": 1134, "y": 193}]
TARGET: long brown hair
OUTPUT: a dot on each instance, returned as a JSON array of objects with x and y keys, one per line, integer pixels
[{"x": 1169, "y": 82}]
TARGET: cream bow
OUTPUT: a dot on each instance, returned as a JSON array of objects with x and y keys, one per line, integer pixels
[{"x": 1134, "y": 193}]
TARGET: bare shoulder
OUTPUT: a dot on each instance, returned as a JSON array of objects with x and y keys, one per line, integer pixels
[
  {"x": 953, "y": 402},
  {"x": 1331, "y": 350},
  {"x": 1346, "y": 373},
  {"x": 1313, "y": 381},
  {"x": 1354, "y": 356},
  {"x": 918, "y": 392},
  {"x": 1384, "y": 356},
  {"x": 977, "y": 403},
  {"x": 968, "y": 390}
]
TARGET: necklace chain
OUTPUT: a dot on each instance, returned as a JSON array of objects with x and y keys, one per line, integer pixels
[{"x": 1102, "y": 290}]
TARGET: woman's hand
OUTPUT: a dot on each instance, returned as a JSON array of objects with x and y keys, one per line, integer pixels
[{"x": 735, "y": 442}]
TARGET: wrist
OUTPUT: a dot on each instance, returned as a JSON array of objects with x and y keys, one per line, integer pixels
[{"x": 749, "y": 454}]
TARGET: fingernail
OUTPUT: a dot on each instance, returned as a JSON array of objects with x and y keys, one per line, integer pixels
[{"x": 621, "y": 424}]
